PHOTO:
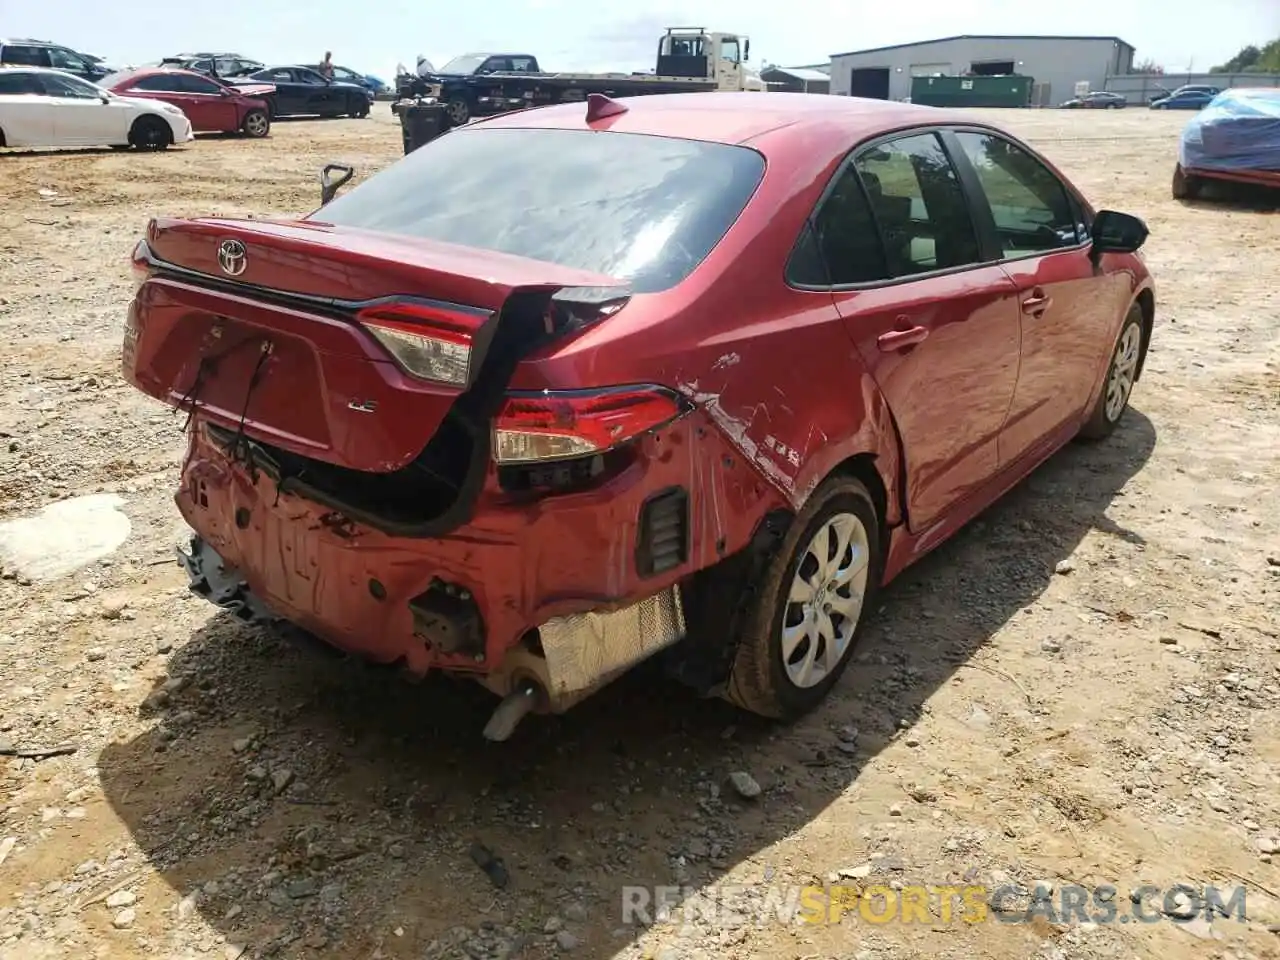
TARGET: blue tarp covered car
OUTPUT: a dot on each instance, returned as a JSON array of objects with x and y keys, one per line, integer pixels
[{"x": 1236, "y": 137}]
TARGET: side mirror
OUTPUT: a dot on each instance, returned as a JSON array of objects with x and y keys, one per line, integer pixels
[
  {"x": 746, "y": 50},
  {"x": 1115, "y": 232},
  {"x": 105, "y": 98},
  {"x": 332, "y": 178}
]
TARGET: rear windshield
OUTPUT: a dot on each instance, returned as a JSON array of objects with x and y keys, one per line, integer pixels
[{"x": 640, "y": 208}]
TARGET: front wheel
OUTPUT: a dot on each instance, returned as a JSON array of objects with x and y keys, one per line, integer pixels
[
  {"x": 361, "y": 110},
  {"x": 808, "y": 613},
  {"x": 1122, "y": 372},
  {"x": 150, "y": 133},
  {"x": 459, "y": 111},
  {"x": 256, "y": 124}
]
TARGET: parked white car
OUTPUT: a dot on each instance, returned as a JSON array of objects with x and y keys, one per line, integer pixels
[{"x": 40, "y": 107}]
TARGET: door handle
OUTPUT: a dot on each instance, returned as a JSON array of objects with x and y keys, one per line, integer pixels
[
  {"x": 1037, "y": 303},
  {"x": 901, "y": 339}
]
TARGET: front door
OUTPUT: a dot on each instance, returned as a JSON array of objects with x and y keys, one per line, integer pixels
[
  {"x": 205, "y": 105},
  {"x": 1068, "y": 311},
  {"x": 80, "y": 117},
  {"x": 936, "y": 327}
]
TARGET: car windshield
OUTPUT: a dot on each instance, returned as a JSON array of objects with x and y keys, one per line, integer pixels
[
  {"x": 645, "y": 209},
  {"x": 467, "y": 63}
]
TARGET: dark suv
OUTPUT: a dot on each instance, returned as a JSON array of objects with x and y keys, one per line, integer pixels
[{"x": 42, "y": 53}]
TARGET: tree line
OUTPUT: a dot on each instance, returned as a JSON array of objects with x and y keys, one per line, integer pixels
[{"x": 1252, "y": 59}]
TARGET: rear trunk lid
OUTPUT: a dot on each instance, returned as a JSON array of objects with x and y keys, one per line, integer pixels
[{"x": 265, "y": 328}]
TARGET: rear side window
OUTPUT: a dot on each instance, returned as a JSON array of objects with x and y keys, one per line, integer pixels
[
  {"x": 17, "y": 83},
  {"x": 640, "y": 208},
  {"x": 919, "y": 206},
  {"x": 157, "y": 83},
  {"x": 841, "y": 244},
  {"x": 25, "y": 55}
]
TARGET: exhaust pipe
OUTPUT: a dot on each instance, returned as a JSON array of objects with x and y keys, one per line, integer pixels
[{"x": 514, "y": 707}]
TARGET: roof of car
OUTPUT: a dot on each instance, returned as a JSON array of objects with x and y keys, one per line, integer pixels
[{"x": 733, "y": 117}]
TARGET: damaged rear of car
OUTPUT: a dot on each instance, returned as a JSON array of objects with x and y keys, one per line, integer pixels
[{"x": 440, "y": 423}]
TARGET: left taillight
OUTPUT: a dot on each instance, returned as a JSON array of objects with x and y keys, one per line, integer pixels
[
  {"x": 549, "y": 425},
  {"x": 431, "y": 341}
]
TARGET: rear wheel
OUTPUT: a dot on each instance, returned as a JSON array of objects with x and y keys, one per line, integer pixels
[
  {"x": 3, "y": 142},
  {"x": 808, "y": 614},
  {"x": 1121, "y": 374},
  {"x": 150, "y": 133},
  {"x": 256, "y": 124}
]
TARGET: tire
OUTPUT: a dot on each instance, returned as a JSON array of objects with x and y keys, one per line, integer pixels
[
  {"x": 1126, "y": 354},
  {"x": 256, "y": 124},
  {"x": 361, "y": 111},
  {"x": 459, "y": 110},
  {"x": 149, "y": 132},
  {"x": 760, "y": 680},
  {"x": 1185, "y": 187},
  {"x": 3, "y": 141}
]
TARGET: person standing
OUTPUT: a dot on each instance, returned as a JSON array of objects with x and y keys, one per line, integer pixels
[{"x": 326, "y": 65}]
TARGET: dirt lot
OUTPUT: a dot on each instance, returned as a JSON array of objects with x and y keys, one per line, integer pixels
[{"x": 1081, "y": 689}]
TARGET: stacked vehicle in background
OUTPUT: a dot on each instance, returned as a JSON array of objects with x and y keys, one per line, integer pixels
[
  {"x": 26, "y": 52},
  {"x": 1236, "y": 139},
  {"x": 689, "y": 60}
]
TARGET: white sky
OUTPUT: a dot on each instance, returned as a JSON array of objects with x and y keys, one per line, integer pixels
[{"x": 611, "y": 35}]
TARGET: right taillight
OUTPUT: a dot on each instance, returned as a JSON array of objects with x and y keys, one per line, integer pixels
[
  {"x": 536, "y": 427},
  {"x": 431, "y": 341}
]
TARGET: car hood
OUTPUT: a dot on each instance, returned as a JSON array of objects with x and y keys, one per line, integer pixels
[{"x": 254, "y": 88}]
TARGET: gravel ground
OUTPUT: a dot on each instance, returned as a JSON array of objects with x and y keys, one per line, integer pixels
[{"x": 1082, "y": 688}]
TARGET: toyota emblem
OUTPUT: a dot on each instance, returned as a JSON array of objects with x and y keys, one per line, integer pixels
[{"x": 231, "y": 257}]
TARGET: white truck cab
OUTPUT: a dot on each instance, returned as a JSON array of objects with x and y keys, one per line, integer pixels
[{"x": 695, "y": 52}]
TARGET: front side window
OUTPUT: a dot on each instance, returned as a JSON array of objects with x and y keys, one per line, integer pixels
[
  {"x": 840, "y": 244},
  {"x": 730, "y": 51},
  {"x": 919, "y": 206},
  {"x": 1032, "y": 209},
  {"x": 72, "y": 88},
  {"x": 198, "y": 85},
  {"x": 639, "y": 208},
  {"x": 66, "y": 60}
]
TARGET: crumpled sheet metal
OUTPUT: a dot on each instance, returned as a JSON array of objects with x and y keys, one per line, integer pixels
[{"x": 587, "y": 650}]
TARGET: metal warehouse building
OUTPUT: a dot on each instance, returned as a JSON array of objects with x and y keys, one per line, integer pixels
[{"x": 1057, "y": 64}]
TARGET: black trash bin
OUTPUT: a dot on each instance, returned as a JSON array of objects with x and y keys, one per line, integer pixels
[{"x": 421, "y": 123}]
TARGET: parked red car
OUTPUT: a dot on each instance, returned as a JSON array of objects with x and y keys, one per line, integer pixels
[
  {"x": 210, "y": 105},
  {"x": 693, "y": 373}
]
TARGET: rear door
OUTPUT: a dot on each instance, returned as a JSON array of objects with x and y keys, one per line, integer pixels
[
  {"x": 1068, "y": 312},
  {"x": 936, "y": 327},
  {"x": 163, "y": 87},
  {"x": 26, "y": 114}
]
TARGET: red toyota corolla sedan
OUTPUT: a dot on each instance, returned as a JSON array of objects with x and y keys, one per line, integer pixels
[
  {"x": 212, "y": 107},
  {"x": 690, "y": 374}
]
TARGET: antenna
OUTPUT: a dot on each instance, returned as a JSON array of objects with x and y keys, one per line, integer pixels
[{"x": 600, "y": 106}]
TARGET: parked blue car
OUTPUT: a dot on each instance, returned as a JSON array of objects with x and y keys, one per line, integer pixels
[
  {"x": 371, "y": 83},
  {"x": 1189, "y": 97}
]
